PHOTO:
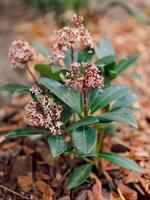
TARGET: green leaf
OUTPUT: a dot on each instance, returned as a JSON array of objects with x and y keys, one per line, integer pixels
[
  {"x": 84, "y": 56},
  {"x": 118, "y": 115},
  {"x": 106, "y": 60},
  {"x": 136, "y": 13},
  {"x": 121, "y": 161},
  {"x": 125, "y": 63},
  {"x": 111, "y": 93},
  {"x": 69, "y": 96},
  {"x": 126, "y": 100},
  {"x": 105, "y": 48},
  {"x": 12, "y": 88},
  {"x": 79, "y": 175},
  {"x": 49, "y": 71},
  {"x": 84, "y": 138},
  {"x": 57, "y": 145},
  {"x": 26, "y": 132},
  {"x": 91, "y": 96},
  {"x": 41, "y": 48},
  {"x": 83, "y": 122}
]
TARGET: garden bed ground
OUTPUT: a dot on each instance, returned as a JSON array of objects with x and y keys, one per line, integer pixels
[{"x": 27, "y": 170}]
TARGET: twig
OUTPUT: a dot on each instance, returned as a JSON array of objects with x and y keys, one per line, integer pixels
[
  {"x": 13, "y": 192},
  {"x": 120, "y": 194}
]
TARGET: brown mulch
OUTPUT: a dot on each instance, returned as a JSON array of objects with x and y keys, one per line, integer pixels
[{"x": 27, "y": 171}]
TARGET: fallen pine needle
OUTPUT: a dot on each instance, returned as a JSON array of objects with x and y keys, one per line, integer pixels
[
  {"x": 13, "y": 192},
  {"x": 120, "y": 194}
]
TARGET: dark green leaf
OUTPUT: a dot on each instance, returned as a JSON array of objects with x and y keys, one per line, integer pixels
[
  {"x": 79, "y": 175},
  {"x": 47, "y": 71},
  {"x": 57, "y": 145},
  {"x": 106, "y": 60},
  {"x": 83, "y": 122},
  {"x": 41, "y": 48},
  {"x": 127, "y": 100},
  {"x": 26, "y": 132},
  {"x": 136, "y": 13},
  {"x": 106, "y": 48},
  {"x": 84, "y": 138},
  {"x": 118, "y": 115},
  {"x": 125, "y": 63},
  {"x": 121, "y": 161},
  {"x": 111, "y": 93},
  {"x": 69, "y": 96},
  {"x": 84, "y": 56},
  {"x": 91, "y": 96},
  {"x": 12, "y": 88}
]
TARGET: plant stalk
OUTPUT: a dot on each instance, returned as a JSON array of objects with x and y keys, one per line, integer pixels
[
  {"x": 72, "y": 54},
  {"x": 32, "y": 75}
]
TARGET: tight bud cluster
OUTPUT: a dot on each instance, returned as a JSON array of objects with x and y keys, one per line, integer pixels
[
  {"x": 73, "y": 36},
  {"x": 20, "y": 53},
  {"x": 44, "y": 112},
  {"x": 83, "y": 76}
]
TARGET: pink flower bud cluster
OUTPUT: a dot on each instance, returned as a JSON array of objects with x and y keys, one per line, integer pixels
[
  {"x": 77, "y": 33},
  {"x": 44, "y": 112},
  {"x": 20, "y": 53},
  {"x": 83, "y": 76},
  {"x": 73, "y": 36}
]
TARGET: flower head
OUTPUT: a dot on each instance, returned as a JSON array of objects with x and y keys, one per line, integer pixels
[
  {"x": 74, "y": 36},
  {"x": 83, "y": 75},
  {"x": 20, "y": 53},
  {"x": 76, "y": 20},
  {"x": 44, "y": 112}
]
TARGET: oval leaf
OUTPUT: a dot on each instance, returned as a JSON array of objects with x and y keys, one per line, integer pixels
[
  {"x": 12, "y": 88},
  {"x": 26, "y": 132},
  {"x": 118, "y": 115},
  {"x": 84, "y": 138},
  {"x": 69, "y": 96},
  {"x": 125, "y": 63},
  {"x": 83, "y": 122},
  {"x": 57, "y": 145},
  {"x": 111, "y": 93},
  {"x": 106, "y": 48},
  {"x": 121, "y": 161},
  {"x": 79, "y": 175}
]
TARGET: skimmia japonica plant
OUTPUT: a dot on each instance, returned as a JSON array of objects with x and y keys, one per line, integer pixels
[{"x": 75, "y": 98}]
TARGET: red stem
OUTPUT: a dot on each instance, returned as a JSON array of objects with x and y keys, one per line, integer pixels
[
  {"x": 84, "y": 100},
  {"x": 32, "y": 75},
  {"x": 72, "y": 54}
]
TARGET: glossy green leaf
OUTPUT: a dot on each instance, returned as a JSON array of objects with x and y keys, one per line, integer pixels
[
  {"x": 106, "y": 60},
  {"x": 49, "y": 71},
  {"x": 41, "y": 48},
  {"x": 111, "y": 93},
  {"x": 125, "y": 63},
  {"x": 12, "y": 88},
  {"x": 69, "y": 96},
  {"x": 126, "y": 100},
  {"x": 26, "y": 132},
  {"x": 91, "y": 96},
  {"x": 57, "y": 145},
  {"x": 79, "y": 176},
  {"x": 84, "y": 56},
  {"x": 118, "y": 115},
  {"x": 84, "y": 138},
  {"x": 136, "y": 13},
  {"x": 121, "y": 161},
  {"x": 82, "y": 122},
  {"x": 106, "y": 49}
]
